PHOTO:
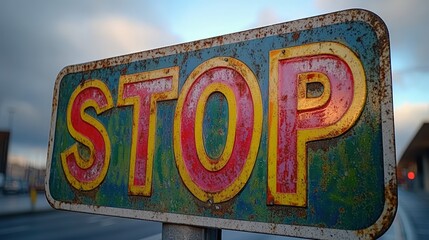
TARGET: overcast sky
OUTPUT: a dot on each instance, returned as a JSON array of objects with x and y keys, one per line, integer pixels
[{"x": 39, "y": 38}]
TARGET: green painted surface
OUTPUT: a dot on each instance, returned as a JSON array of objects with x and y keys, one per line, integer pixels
[{"x": 345, "y": 187}]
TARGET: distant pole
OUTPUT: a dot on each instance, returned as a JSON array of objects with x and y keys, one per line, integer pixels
[{"x": 11, "y": 112}]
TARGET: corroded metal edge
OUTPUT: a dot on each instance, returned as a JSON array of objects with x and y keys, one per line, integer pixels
[
  {"x": 390, "y": 183},
  {"x": 389, "y": 153}
]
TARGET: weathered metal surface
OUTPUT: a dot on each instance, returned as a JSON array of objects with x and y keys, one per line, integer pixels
[
  {"x": 286, "y": 129},
  {"x": 184, "y": 232}
]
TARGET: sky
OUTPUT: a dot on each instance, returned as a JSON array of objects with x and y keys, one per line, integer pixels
[{"x": 39, "y": 38}]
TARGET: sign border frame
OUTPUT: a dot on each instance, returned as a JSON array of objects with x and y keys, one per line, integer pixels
[{"x": 388, "y": 140}]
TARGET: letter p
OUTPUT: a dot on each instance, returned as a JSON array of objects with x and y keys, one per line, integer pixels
[{"x": 317, "y": 91}]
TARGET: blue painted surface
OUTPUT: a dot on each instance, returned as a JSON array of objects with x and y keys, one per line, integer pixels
[{"x": 345, "y": 188}]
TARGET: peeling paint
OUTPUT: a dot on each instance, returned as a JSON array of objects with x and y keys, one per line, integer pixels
[{"x": 350, "y": 175}]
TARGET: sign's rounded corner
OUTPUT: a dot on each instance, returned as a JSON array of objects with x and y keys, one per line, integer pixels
[
  {"x": 374, "y": 20},
  {"x": 386, "y": 217},
  {"x": 52, "y": 202},
  {"x": 62, "y": 73}
]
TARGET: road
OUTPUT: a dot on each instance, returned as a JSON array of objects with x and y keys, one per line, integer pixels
[
  {"x": 68, "y": 225},
  {"x": 71, "y": 225},
  {"x": 414, "y": 210},
  {"x": 412, "y": 222}
]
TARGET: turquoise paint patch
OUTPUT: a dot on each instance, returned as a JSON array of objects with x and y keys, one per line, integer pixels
[{"x": 215, "y": 125}]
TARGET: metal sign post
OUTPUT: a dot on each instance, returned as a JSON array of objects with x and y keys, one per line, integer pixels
[
  {"x": 184, "y": 232},
  {"x": 285, "y": 129}
]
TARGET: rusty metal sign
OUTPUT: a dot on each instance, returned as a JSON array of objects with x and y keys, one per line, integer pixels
[{"x": 286, "y": 129}]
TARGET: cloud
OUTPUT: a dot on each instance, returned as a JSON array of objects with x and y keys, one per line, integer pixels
[
  {"x": 39, "y": 39},
  {"x": 29, "y": 121},
  {"x": 267, "y": 16},
  {"x": 109, "y": 36},
  {"x": 407, "y": 23}
]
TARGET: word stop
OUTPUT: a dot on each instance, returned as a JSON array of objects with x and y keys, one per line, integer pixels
[{"x": 316, "y": 91}]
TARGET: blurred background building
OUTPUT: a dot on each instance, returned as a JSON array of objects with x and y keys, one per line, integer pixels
[
  {"x": 413, "y": 166},
  {"x": 17, "y": 176}
]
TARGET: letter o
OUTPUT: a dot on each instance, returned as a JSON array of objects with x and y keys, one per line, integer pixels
[{"x": 221, "y": 179}]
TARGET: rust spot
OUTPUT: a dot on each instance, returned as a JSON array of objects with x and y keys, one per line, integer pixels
[
  {"x": 124, "y": 71},
  {"x": 228, "y": 208},
  {"x": 295, "y": 36}
]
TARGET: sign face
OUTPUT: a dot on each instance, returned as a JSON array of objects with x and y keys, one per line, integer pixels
[{"x": 286, "y": 129}]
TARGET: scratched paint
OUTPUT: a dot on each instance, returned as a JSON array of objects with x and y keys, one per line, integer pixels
[{"x": 351, "y": 182}]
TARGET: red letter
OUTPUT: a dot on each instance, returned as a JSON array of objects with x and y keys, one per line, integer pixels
[
  {"x": 218, "y": 179},
  {"x": 87, "y": 174},
  {"x": 297, "y": 117},
  {"x": 142, "y": 91}
]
